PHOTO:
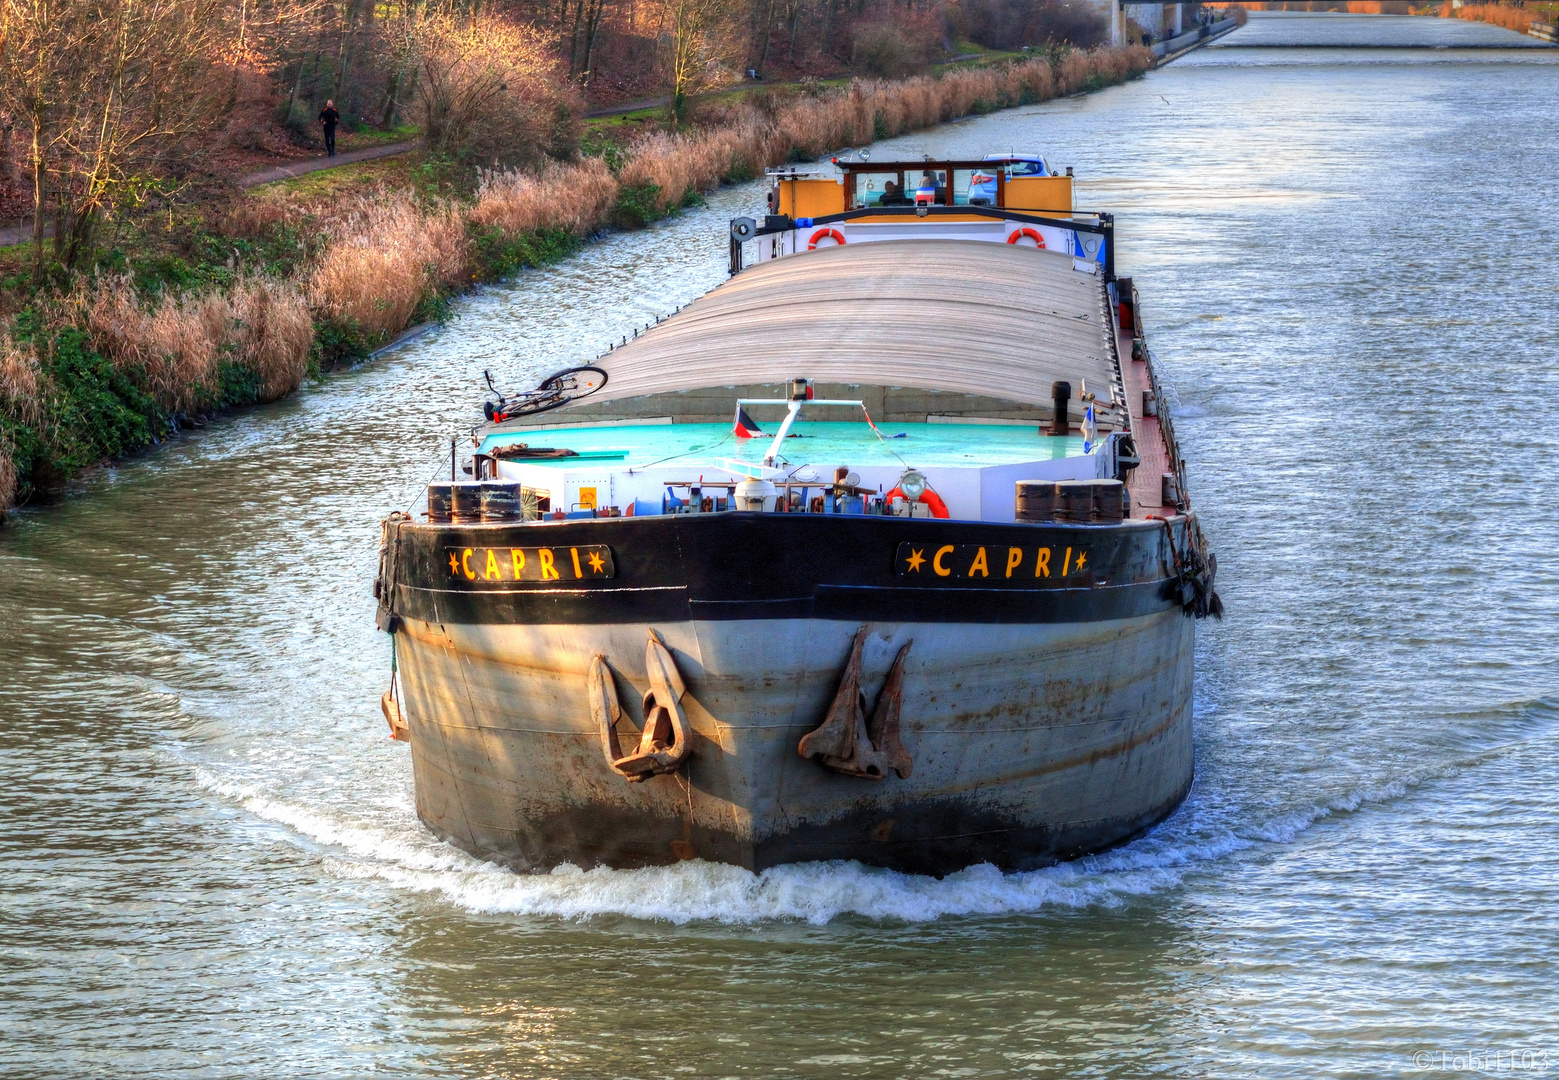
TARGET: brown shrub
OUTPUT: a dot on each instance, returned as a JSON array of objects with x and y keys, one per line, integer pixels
[
  {"x": 884, "y": 48},
  {"x": 490, "y": 89},
  {"x": 575, "y": 197},
  {"x": 173, "y": 347},
  {"x": 7, "y": 479},
  {"x": 271, "y": 333},
  {"x": 385, "y": 256},
  {"x": 1009, "y": 24}
]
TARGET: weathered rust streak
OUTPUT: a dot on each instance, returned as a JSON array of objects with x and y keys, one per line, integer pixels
[{"x": 1092, "y": 757}]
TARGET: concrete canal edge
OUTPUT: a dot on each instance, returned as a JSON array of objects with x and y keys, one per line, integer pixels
[
  {"x": 405, "y": 337},
  {"x": 1176, "y": 47}
]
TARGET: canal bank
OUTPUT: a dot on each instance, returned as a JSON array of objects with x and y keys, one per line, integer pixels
[
  {"x": 212, "y": 863},
  {"x": 108, "y": 371}
]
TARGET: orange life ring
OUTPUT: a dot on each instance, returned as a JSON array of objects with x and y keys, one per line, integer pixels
[
  {"x": 838, "y": 238},
  {"x": 929, "y": 497},
  {"x": 1031, "y": 234}
]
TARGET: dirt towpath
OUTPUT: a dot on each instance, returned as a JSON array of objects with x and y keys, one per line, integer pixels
[{"x": 21, "y": 232}]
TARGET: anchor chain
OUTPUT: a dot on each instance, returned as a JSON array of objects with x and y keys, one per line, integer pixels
[
  {"x": 1194, "y": 577},
  {"x": 385, "y": 617}
]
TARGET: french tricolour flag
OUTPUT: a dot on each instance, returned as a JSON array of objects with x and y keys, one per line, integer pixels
[{"x": 745, "y": 428}]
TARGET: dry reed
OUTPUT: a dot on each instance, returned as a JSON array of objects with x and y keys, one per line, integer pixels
[
  {"x": 752, "y": 137},
  {"x": 385, "y": 257},
  {"x": 574, "y": 197},
  {"x": 272, "y": 333},
  {"x": 1511, "y": 18},
  {"x": 21, "y": 400},
  {"x": 21, "y": 382},
  {"x": 171, "y": 347},
  {"x": 751, "y": 140},
  {"x": 7, "y": 479},
  {"x": 174, "y": 347}
]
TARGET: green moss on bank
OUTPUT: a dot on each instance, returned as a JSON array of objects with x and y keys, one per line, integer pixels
[{"x": 91, "y": 410}]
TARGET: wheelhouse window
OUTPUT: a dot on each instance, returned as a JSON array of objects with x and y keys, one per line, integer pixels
[
  {"x": 879, "y": 189},
  {"x": 927, "y": 185},
  {"x": 974, "y": 187}
]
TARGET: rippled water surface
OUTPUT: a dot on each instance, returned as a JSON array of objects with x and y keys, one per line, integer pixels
[{"x": 209, "y": 862}]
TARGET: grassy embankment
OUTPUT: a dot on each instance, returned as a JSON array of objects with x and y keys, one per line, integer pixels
[{"x": 234, "y": 302}]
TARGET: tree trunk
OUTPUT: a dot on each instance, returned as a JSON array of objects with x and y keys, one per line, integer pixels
[
  {"x": 78, "y": 238},
  {"x": 297, "y": 84},
  {"x": 594, "y": 31},
  {"x": 392, "y": 97},
  {"x": 568, "y": 28},
  {"x": 344, "y": 55},
  {"x": 40, "y": 186},
  {"x": 59, "y": 224},
  {"x": 768, "y": 34}
]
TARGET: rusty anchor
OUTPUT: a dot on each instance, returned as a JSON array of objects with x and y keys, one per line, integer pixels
[
  {"x": 845, "y": 741},
  {"x": 665, "y": 741}
]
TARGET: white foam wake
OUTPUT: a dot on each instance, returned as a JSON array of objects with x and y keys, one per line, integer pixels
[{"x": 396, "y": 849}]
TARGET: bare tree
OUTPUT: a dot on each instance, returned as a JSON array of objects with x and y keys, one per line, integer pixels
[
  {"x": 109, "y": 91},
  {"x": 702, "y": 39},
  {"x": 488, "y": 89}
]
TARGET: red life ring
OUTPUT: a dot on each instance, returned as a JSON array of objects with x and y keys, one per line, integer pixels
[
  {"x": 929, "y": 497},
  {"x": 838, "y": 238},
  {"x": 1031, "y": 234}
]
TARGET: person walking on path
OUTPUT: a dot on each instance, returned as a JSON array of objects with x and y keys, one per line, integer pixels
[{"x": 328, "y": 119}]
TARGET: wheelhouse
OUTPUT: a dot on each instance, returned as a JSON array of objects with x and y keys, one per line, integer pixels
[{"x": 1010, "y": 182}]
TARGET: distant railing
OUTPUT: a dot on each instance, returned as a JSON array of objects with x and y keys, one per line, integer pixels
[{"x": 1184, "y": 41}]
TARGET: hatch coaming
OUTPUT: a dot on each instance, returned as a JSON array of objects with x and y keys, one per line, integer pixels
[
  {"x": 639, "y": 470},
  {"x": 911, "y": 347},
  {"x": 945, "y": 317}
]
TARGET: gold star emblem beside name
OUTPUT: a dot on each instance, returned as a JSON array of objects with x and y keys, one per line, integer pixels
[
  {"x": 596, "y": 562},
  {"x": 1082, "y": 557},
  {"x": 454, "y": 563},
  {"x": 916, "y": 559}
]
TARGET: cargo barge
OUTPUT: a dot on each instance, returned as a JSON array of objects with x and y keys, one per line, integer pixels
[{"x": 882, "y": 550}]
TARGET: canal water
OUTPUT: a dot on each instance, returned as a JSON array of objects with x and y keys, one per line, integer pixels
[{"x": 209, "y": 862}]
